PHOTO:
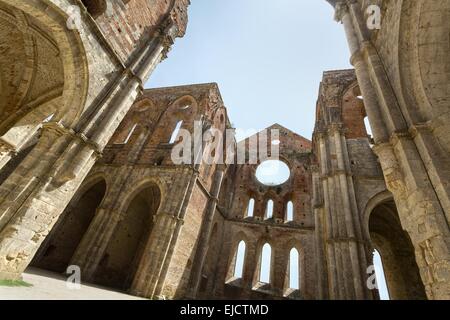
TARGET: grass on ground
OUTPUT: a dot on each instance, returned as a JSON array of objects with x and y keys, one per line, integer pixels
[{"x": 14, "y": 283}]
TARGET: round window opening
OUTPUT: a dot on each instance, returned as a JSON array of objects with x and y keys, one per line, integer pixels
[{"x": 273, "y": 172}]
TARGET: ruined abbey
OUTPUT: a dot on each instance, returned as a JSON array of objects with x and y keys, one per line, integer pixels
[{"x": 87, "y": 178}]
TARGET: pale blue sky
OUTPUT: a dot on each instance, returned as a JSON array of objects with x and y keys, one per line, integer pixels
[{"x": 267, "y": 57}]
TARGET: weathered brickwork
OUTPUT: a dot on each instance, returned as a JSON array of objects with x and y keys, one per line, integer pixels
[
  {"x": 66, "y": 91},
  {"x": 240, "y": 186},
  {"x": 129, "y": 25},
  {"x": 89, "y": 178}
]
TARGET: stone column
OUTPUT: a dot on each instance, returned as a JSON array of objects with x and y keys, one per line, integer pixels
[
  {"x": 417, "y": 191},
  {"x": 205, "y": 235},
  {"x": 158, "y": 251},
  {"x": 31, "y": 200},
  {"x": 95, "y": 241},
  {"x": 331, "y": 222},
  {"x": 97, "y": 237},
  {"x": 319, "y": 219},
  {"x": 352, "y": 218}
]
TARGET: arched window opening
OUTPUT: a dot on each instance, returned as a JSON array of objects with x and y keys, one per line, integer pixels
[
  {"x": 269, "y": 209},
  {"x": 130, "y": 134},
  {"x": 240, "y": 259},
  {"x": 175, "y": 132},
  {"x": 266, "y": 262},
  {"x": 290, "y": 212},
  {"x": 294, "y": 269},
  {"x": 379, "y": 275},
  {"x": 368, "y": 127},
  {"x": 251, "y": 207},
  {"x": 398, "y": 271}
]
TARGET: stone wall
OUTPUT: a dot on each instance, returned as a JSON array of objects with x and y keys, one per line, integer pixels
[
  {"x": 92, "y": 88},
  {"x": 402, "y": 73}
]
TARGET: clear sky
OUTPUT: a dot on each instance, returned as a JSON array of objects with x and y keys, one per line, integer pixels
[{"x": 266, "y": 56}]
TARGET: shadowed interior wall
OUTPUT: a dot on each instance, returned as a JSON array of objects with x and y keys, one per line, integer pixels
[
  {"x": 397, "y": 253},
  {"x": 121, "y": 258},
  {"x": 60, "y": 245}
]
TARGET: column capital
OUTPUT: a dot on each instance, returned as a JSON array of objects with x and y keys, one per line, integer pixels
[
  {"x": 61, "y": 130},
  {"x": 168, "y": 215},
  {"x": 418, "y": 128},
  {"x": 341, "y": 9},
  {"x": 6, "y": 147},
  {"x": 167, "y": 34},
  {"x": 397, "y": 136},
  {"x": 336, "y": 127}
]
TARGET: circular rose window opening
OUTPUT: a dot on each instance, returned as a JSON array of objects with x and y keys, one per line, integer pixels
[{"x": 273, "y": 172}]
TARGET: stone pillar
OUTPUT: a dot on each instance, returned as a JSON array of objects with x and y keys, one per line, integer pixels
[
  {"x": 352, "y": 223},
  {"x": 32, "y": 199},
  {"x": 204, "y": 239},
  {"x": 409, "y": 167},
  {"x": 319, "y": 219},
  {"x": 158, "y": 251},
  {"x": 346, "y": 249},
  {"x": 331, "y": 224},
  {"x": 95, "y": 241}
]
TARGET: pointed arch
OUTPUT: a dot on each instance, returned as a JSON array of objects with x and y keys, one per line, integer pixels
[{"x": 265, "y": 269}]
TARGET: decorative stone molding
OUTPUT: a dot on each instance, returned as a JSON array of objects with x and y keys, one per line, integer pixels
[
  {"x": 6, "y": 148},
  {"x": 341, "y": 9},
  {"x": 425, "y": 127},
  {"x": 393, "y": 175}
]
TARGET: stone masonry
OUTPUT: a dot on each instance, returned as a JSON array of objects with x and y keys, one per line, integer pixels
[{"x": 88, "y": 175}]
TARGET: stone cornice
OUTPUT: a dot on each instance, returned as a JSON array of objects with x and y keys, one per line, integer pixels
[{"x": 60, "y": 130}]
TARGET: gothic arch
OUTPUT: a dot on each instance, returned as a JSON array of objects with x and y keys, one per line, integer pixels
[
  {"x": 232, "y": 258},
  {"x": 121, "y": 259},
  {"x": 383, "y": 228},
  {"x": 59, "y": 247},
  {"x": 138, "y": 187},
  {"x": 46, "y": 27}
]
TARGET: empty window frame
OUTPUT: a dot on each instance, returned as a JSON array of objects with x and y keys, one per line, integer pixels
[{"x": 175, "y": 132}]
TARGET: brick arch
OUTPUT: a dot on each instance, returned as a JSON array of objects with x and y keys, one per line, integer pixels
[
  {"x": 141, "y": 118},
  {"x": 219, "y": 118},
  {"x": 174, "y": 113},
  {"x": 138, "y": 186}
]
